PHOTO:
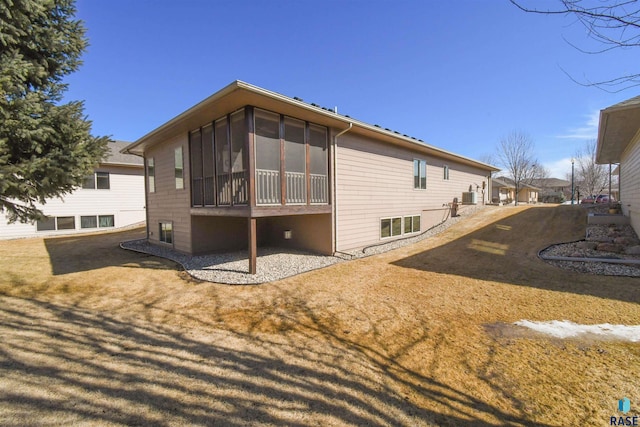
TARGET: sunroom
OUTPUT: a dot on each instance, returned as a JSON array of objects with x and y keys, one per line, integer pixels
[{"x": 261, "y": 169}]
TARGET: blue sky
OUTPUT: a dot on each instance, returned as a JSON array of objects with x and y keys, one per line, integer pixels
[{"x": 459, "y": 74}]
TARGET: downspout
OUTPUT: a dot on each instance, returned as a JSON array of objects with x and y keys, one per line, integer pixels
[
  {"x": 146, "y": 188},
  {"x": 335, "y": 186}
]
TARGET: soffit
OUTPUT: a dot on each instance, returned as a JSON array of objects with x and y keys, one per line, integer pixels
[{"x": 618, "y": 127}]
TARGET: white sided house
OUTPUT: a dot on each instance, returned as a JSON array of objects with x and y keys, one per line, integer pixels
[
  {"x": 248, "y": 167},
  {"x": 619, "y": 142},
  {"x": 112, "y": 197}
]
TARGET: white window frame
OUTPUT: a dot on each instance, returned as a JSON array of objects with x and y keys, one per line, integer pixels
[
  {"x": 391, "y": 235},
  {"x": 412, "y": 216},
  {"x": 151, "y": 174},
  {"x": 160, "y": 233},
  {"x": 422, "y": 165},
  {"x": 178, "y": 167},
  {"x": 93, "y": 178}
]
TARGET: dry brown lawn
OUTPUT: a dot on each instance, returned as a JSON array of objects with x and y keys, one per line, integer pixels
[{"x": 93, "y": 334}]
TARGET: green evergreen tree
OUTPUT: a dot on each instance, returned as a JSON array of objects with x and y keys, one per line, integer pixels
[{"x": 46, "y": 146}]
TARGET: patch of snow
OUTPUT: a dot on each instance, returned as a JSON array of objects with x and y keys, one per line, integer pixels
[{"x": 567, "y": 329}]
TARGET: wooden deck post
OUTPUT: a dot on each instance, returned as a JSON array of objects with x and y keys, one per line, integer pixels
[{"x": 253, "y": 246}]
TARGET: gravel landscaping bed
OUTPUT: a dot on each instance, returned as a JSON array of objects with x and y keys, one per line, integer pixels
[
  {"x": 273, "y": 263},
  {"x": 233, "y": 267},
  {"x": 614, "y": 242}
]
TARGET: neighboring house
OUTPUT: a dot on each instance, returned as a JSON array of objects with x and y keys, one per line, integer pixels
[
  {"x": 504, "y": 191},
  {"x": 554, "y": 190},
  {"x": 248, "y": 167},
  {"x": 619, "y": 142},
  {"x": 112, "y": 197}
]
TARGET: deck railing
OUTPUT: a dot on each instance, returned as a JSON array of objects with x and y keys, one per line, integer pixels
[
  {"x": 234, "y": 187},
  {"x": 240, "y": 195},
  {"x": 267, "y": 187},
  {"x": 296, "y": 187},
  {"x": 319, "y": 189}
]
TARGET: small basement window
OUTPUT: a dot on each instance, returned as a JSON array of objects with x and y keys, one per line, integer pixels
[
  {"x": 47, "y": 223},
  {"x": 412, "y": 224},
  {"x": 390, "y": 227},
  {"x": 166, "y": 232},
  {"x": 66, "y": 223}
]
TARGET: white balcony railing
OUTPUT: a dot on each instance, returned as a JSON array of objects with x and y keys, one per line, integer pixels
[
  {"x": 319, "y": 189},
  {"x": 267, "y": 187},
  {"x": 296, "y": 187}
]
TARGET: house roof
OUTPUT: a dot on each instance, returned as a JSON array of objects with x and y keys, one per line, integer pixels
[
  {"x": 618, "y": 126},
  {"x": 239, "y": 94},
  {"x": 116, "y": 156},
  {"x": 505, "y": 182},
  {"x": 552, "y": 182}
]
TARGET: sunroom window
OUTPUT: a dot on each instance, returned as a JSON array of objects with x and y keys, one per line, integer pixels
[
  {"x": 318, "y": 164},
  {"x": 238, "y": 158},
  {"x": 295, "y": 155},
  {"x": 267, "y": 152}
]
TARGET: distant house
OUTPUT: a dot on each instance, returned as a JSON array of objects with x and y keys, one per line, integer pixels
[
  {"x": 248, "y": 167},
  {"x": 619, "y": 143},
  {"x": 111, "y": 197},
  {"x": 504, "y": 191},
  {"x": 554, "y": 190}
]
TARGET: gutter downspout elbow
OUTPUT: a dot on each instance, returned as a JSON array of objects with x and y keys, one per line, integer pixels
[{"x": 335, "y": 187}]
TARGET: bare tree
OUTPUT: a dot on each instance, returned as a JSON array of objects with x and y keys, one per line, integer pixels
[
  {"x": 516, "y": 155},
  {"x": 593, "y": 178},
  {"x": 613, "y": 24}
]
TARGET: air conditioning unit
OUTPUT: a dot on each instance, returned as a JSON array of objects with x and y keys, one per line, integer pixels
[{"x": 470, "y": 198}]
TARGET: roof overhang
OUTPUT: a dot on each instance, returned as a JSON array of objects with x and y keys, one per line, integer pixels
[
  {"x": 619, "y": 126},
  {"x": 239, "y": 94}
]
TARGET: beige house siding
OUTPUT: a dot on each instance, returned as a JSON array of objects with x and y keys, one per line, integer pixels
[
  {"x": 527, "y": 195},
  {"x": 630, "y": 183},
  {"x": 168, "y": 204},
  {"x": 375, "y": 180}
]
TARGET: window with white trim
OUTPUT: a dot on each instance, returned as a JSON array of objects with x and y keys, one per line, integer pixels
[
  {"x": 179, "y": 169},
  {"x": 151, "y": 174},
  {"x": 166, "y": 232},
  {"x": 53, "y": 223},
  {"x": 445, "y": 172},
  {"x": 65, "y": 223},
  {"x": 411, "y": 224},
  {"x": 390, "y": 227},
  {"x": 419, "y": 174},
  {"x": 99, "y": 180},
  {"x": 47, "y": 223},
  {"x": 97, "y": 221}
]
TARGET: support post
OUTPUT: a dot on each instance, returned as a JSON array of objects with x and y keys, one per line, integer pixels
[{"x": 253, "y": 246}]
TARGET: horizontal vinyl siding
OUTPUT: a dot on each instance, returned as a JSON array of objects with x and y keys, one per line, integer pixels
[
  {"x": 167, "y": 204},
  {"x": 630, "y": 183},
  {"x": 375, "y": 180},
  {"x": 124, "y": 200}
]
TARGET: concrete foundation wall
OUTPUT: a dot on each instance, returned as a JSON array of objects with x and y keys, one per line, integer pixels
[{"x": 309, "y": 232}]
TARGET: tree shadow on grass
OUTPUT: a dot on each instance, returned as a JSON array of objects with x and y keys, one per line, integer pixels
[
  {"x": 506, "y": 251},
  {"x": 64, "y": 365},
  {"x": 73, "y": 254}
]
